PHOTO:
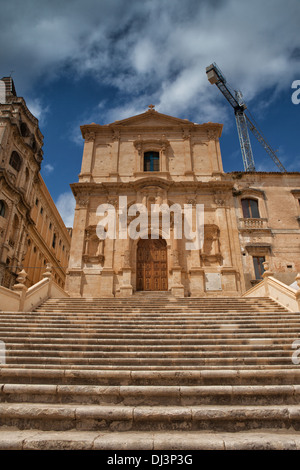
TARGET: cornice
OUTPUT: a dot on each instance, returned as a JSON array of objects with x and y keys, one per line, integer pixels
[
  {"x": 138, "y": 125},
  {"x": 187, "y": 186}
]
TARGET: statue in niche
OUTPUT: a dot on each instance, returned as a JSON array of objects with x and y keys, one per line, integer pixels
[
  {"x": 94, "y": 247},
  {"x": 211, "y": 251}
]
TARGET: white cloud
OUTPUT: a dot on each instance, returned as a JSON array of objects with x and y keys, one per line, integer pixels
[
  {"x": 48, "y": 168},
  {"x": 65, "y": 204},
  {"x": 156, "y": 48},
  {"x": 38, "y": 109}
]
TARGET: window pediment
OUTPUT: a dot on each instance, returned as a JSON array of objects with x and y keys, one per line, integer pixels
[{"x": 144, "y": 145}]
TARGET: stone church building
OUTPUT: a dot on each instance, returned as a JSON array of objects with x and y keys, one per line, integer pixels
[
  {"x": 32, "y": 232},
  {"x": 152, "y": 158}
]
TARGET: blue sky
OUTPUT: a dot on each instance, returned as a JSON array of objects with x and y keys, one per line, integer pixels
[{"x": 77, "y": 62}]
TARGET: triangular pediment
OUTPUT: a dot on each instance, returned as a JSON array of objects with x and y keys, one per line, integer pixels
[{"x": 152, "y": 118}]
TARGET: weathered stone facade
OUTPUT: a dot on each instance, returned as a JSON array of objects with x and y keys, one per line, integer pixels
[
  {"x": 186, "y": 168},
  {"x": 32, "y": 233}
]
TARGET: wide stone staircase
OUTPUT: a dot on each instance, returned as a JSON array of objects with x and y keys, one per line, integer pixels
[{"x": 152, "y": 372}]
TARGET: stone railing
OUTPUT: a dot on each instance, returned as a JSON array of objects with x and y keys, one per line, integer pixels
[
  {"x": 253, "y": 224},
  {"x": 23, "y": 299},
  {"x": 276, "y": 290}
]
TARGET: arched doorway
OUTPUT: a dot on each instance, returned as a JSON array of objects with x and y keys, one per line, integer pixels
[{"x": 152, "y": 273}]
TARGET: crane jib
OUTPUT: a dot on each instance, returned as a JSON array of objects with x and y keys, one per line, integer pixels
[{"x": 216, "y": 77}]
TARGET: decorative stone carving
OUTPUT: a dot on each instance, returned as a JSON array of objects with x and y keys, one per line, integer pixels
[
  {"x": 116, "y": 134},
  {"x": 212, "y": 134},
  {"x": 219, "y": 198},
  {"x": 186, "y": 134},
  {"x": 192, "y": 201},
  {"x": 89, "y": 136},
  {"x": 83, "y": 201},
  {"x": 113, "y": 201}
]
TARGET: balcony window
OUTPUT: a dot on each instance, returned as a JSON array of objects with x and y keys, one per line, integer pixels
[{"x": 250, "y": 209}]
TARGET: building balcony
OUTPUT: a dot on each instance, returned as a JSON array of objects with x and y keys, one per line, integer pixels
[{"x": 250, "y": 225}]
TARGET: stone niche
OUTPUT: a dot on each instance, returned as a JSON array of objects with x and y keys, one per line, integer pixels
[
  {"x": 211, "y": 252},
  {"x": 94, "y": 248}
]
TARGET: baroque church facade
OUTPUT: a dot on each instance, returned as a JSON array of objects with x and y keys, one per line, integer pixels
[{"x": 155, "y": 159}]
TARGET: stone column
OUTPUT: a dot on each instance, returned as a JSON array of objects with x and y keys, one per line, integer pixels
[
  {"x": 73, "y": 280},
  {"x": 177, "y": 288},
  {"x": 126, "y": 286},
  {"x": 189, "y": 170},
  {"x": 87, "y": 158}
]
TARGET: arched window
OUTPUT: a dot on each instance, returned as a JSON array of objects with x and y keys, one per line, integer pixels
[
  {"x": 15, "y": 161},
  {"x": 151, "y": 161},
  {"x": 2, "y": 209},
  {"x": 250, "y": 209}
]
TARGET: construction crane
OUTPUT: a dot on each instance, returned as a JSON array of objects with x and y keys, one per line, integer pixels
[{"x": 243, "y": 121}]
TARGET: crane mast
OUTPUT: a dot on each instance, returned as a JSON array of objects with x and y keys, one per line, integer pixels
[{"x": 243, "y": 122}]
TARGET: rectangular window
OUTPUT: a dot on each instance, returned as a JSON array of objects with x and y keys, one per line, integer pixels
[
  {"x": 54, "y": 240},
  {"x": 258, "y": 266},
  {"x": 151, "y": 161},
  {"x": 250, "y": 209}
]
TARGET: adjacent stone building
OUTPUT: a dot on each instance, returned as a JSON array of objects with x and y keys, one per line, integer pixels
[
  {"x": 32, "y": 233},
  {"x": 151, "y": 159}
]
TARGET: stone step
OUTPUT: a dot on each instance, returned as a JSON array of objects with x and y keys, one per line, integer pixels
[
  {"x": 178, "y": 341},
  {"x": 220, "y": 418},
  {"x": 177, "y": 308},
  {"x": 14, "y": 439},
  {"x": 151, "y": 395},
  {"x": 149, "y": 338},
  {"x": 127, "y": 371},
  {"x": 257, "y": 375},
  {"x": 118, "y": 348},
  {"x": 161, "y": 316},
  {"x": 146, "y": 354},
  {"x": 140, "y": 364}
]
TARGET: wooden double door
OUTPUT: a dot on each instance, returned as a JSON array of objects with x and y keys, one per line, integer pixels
[{"x": 152, "y": 274}]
